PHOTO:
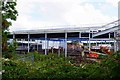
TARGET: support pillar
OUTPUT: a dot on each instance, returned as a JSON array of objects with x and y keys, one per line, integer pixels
[
  {"x": 79, "y": 34},
  {"x": 13, "y": 36},
  {"x": 92, "y": 34},
  {"x": 65, "y": 44},
  {"x": 59, "y": 48},
  {"x": 52, "y": 47},
  {"x": 37, "y": 45},
  {"x": 79, "y": 37},
  {"x": 109, "y": 38},
  {"x": 115, "y": 42},
  {"x": 22, "y": 42},
  {"x": 45, "y": 43},
  {"x": 96, "y": 42},
  {"x": 48, "y": 46},
  {"x": 89, "y": 42},
  {"x": 28, "y": 42}
]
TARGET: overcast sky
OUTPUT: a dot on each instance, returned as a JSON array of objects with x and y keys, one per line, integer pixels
[{"x": 46, "y": 14}]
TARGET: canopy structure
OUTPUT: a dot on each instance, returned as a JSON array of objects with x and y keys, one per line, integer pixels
[
  {"x": 59, "y": 30},
  {"x": 106, "y": 32}
]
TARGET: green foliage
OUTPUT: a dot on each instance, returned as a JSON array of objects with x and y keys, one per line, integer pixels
[
  {"x": 53, "y": 67},
  {"x": 12, "y": 47},
  {"x": 11, "y": 52},
  {"x": 9, "y": 12},
  {"x": 15, "y": 69}
]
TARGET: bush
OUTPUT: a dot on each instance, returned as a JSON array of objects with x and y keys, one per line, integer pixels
[
  {"x": 53, "y": 67},
  {"x": 15, "y": 69}
]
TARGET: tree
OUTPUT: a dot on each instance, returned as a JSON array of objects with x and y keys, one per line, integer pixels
[{"x": 9, "y": 13}]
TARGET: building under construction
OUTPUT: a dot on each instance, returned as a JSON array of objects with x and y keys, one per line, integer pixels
[{"x": 59, "y": 40}]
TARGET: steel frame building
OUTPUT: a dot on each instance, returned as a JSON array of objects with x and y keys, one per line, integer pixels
[{"x": 106, "y": 32}]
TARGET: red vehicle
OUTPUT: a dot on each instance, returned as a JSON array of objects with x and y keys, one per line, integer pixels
[{"x": 93, "y": 55}]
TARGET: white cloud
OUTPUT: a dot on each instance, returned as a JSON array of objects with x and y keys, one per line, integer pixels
[
  {"x": 87, "y": 14},
  {"x": 37, "y": 14},
  {"x": 113, "y": 2}
]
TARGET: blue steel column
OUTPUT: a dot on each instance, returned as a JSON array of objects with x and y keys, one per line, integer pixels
[
  {"x": 28, "y": 42},
  {"x": 65, "y": 44}
]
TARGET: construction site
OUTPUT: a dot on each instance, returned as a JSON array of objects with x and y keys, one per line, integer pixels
[{"x": 92, "y": 40}]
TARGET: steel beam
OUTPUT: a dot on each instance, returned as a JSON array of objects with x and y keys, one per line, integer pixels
[{"x": 106, "y": 31}]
